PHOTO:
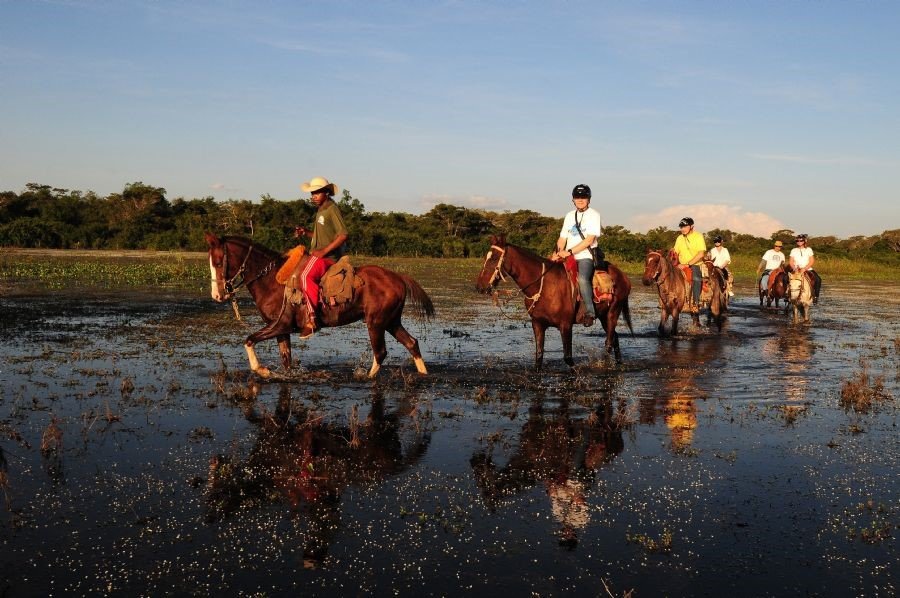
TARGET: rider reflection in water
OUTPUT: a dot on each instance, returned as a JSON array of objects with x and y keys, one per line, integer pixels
[{"x": 691, "y": 249}]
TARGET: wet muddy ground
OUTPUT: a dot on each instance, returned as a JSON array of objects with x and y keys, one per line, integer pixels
[{"x": 138, "y": 456}]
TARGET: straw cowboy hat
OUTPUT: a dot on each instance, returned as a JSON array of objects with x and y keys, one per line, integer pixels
[{"x": 318, "y": 183}]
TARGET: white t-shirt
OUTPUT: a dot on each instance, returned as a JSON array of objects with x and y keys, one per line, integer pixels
[
  {"x": 720, "y": 256},
  {"x": 589, "y": 222},
  {"x": 773, "y": 259},
  {"x": 801, "y": 256}
]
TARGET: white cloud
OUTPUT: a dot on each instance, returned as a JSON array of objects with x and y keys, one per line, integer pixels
[{"x": 710, "y": 216}]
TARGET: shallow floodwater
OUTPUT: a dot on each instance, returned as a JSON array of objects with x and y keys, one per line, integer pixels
[{"x": 137, "y": 454}]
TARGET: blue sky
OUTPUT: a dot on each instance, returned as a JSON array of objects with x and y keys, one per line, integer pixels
[{"x": 748, "y": 115}]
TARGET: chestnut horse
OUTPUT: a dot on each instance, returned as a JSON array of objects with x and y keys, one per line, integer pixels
[
  {"x": 777, "y": 289},
  {"x": 673, "y": 288},
  {"x": 237, "y": 261},
  {"x": 549, "y": 296}
]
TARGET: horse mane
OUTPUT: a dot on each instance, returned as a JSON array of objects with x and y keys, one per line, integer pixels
[
  {"x": 259, "y": 247},
  {"x": 531, "y": 254}
]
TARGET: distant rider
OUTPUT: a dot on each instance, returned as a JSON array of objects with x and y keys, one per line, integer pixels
[
  {"x": 721, "y": 258},
  {"x": 772, "y": 259},
  {"x": 802, "y": 259},
  {"x": 691, "y": 249}
]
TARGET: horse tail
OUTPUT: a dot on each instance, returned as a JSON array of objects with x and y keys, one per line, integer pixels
[
  {"x": 626, "y": 313},
  {"x": 420, "y": 299}
]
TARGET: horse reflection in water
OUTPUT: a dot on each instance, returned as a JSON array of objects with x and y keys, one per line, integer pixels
[
  {"x": 789, "y": 354},
  {"x": 559, "y": 452},
  {"x": 677, "y": 387},
  {"x": 306, "y": 463}
]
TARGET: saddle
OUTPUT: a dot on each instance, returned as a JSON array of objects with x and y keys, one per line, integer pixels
[
  {"x": 602, "y": 283},
  {"x": 336, "y": 286},
  {"x": 603, "y": 286},
  {"x": 339, "y": 283}
]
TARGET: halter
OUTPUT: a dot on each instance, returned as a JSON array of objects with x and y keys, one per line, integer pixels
[{"x": 499, "y": 274}]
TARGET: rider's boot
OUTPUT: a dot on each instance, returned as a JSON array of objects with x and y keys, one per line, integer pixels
[
  {"x": 309, "y": 327},
  {"x": 582, "y": 315}
]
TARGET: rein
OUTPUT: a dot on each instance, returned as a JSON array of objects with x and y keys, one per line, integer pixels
[
  {"x": 231, "y": 286},
  {"x": 498, "y": 273}
]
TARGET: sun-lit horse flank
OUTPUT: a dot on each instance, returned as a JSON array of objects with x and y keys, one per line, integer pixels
[
  {"x": 800, "y": 296},
  {"x": 671, "y": 285},
  {"x": 777, "y": 289},
  {"x": 237, "y": 261},
  {"x": 549, "y": 296}
]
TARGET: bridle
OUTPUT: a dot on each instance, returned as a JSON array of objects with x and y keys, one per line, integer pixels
[
  {"x": 660, "y": 277},
  {"x": 233, "y": 284},
  {"x": 499, "y": 275}
]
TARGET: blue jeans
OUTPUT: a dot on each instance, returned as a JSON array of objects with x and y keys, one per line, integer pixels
[
  {"x": 585, "y": 283},
  {"x": 696, "y": 282},
  {"x": 764, "y": 281}
]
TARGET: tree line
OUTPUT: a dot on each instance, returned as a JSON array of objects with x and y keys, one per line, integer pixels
[{"x": 141, "y": 217}]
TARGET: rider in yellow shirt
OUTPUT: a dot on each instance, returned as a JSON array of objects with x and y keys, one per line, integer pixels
[{"x": 691, "y": 249}]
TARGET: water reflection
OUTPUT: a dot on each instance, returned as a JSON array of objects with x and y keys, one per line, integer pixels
[
  {"x": 306, "y": 463},
  {"x": 560, "y": 452},
  {"x": 680, "y": 383},
  {"x": 790, "y": 351}
]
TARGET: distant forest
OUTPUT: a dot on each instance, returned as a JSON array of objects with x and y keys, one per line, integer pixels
[{"x": 141, "y": 217}]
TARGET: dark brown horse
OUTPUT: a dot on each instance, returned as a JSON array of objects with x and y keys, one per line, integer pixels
[
  {"x": 549, "y": 295},
  {"x": 236, "y": 262},
  {"x": 672, "y": 286},
  {"x": 777, "y": 289},
  {"x": 715, "y": 295}
]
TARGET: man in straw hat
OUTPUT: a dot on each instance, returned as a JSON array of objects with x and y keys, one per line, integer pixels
[
  {"x": 771, "y": 260},
  {"x": 328, "y": 244}
]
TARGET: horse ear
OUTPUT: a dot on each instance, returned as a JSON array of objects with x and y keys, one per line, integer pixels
[{"x": 211, "y": 240}]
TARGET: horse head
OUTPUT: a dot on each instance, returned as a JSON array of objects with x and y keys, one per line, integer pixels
[
  {"x": 491, "y": 272},
  {"x": 218, "y": 264},
  {"x": 654, "y": 271}
]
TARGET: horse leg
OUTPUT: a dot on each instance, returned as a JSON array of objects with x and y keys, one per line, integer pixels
[
  {"x": 284, "y": 348},
  {"x": 254, "y": 363},
  {"x": 612, "y": 337},
  {"x": 675, "y": 315},
  {"x": 379, "y": 350},
  {"x": 412, "y": 345},
  {"x": 565, "y": 331},
  {"x": 280, "y": 328},
  {"x": 540, "y": 329},
  {"x": 663, "y": 316}
]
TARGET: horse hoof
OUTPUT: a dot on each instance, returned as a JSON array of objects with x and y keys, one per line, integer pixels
[{"x": 263, "y": 372}]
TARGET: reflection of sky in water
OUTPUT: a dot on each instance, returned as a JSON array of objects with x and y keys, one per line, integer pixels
[
  {"x": 789, "y": 353},
  {"x": 130, "y": 493}
]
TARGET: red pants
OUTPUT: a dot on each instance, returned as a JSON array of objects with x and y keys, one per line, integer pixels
[{"x": 310, "y": 276}]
